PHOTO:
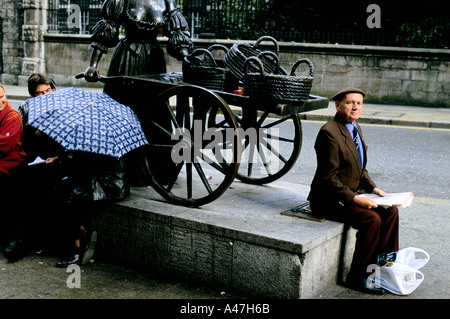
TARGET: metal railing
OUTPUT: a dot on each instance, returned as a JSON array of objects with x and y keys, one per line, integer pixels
[
  {"x": 250, "y": 19},
  {"x": 294, "y": 21},
  {"x": 231, "y": 19},
  {"x": 72, "y": 16}
]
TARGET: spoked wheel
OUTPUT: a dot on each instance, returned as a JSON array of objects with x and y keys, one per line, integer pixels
[
  {"x": 202, "y": 162},
  {"x": 270, "y": 146}
]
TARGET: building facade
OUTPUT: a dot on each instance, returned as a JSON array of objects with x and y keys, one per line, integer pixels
[{"x": 51, "y": 36}]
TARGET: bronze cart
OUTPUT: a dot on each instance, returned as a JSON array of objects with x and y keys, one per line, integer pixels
[{"x": 200, "y": 140}]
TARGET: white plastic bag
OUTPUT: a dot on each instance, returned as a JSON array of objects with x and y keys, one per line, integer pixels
[
  {"x": 400, "y": 279},
  {"x": 402, "y": 276},
  {"x": 413, "y": 257}
]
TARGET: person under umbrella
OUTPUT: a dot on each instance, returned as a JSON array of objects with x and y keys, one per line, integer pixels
[
  {"x": 74, "y": 174},
  {"x": 96, "y": 132}
]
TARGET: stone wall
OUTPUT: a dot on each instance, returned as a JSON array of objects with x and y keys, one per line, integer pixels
[{"x": 389, "y": 75}]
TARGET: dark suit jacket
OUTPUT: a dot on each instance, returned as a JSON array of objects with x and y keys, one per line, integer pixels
[{"x": 338, "y": 177}]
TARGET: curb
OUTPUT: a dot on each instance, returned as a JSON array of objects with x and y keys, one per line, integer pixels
[{"x": 380, "y": 121}]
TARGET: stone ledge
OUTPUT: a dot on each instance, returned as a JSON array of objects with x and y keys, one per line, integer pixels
[{"x": 240, "y": 242}]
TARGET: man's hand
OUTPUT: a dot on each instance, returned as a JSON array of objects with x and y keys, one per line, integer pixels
[
  {"x": 378, "y": 192},
  {"x": 52, "y": 160},
  {"x": 364, "y": 202},
  {"x": 367, "y": 202}
]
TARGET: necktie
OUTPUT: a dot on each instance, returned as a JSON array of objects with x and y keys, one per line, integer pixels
[{"x": 358, "y": 145}]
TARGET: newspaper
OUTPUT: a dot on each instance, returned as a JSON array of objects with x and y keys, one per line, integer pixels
[
  {"x": 37, "y": 161},
  {"x": 392, "y": 199}
]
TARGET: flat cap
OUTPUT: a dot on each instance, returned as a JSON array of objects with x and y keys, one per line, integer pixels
[{"x": 347, "y": 90}]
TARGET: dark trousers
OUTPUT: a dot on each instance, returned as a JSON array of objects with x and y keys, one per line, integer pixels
[
  {"x": 8, "y": 203},
  {"x": 15, "y": 218},
  {"x": 377, "y": 233}
]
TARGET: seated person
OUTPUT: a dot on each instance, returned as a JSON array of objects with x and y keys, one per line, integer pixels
[{"x": 340, "y": 178}]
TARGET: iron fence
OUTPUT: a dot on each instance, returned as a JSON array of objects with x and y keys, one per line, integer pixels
[
  {"x": 295, "y": 21},
  {"x": 73, "y": 16},
  {"x": 316, "y": 21},
  {"x": 230, "y": 19}
]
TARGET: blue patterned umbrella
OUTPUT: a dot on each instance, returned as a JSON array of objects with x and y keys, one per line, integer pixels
[{"x": 86, "y": 121}]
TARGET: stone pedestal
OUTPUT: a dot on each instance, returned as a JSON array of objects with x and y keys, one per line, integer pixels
[{"x": 240, "y": 243}]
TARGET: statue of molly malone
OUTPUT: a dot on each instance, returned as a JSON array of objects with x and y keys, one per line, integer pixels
[{"x": 139, "y": 53}]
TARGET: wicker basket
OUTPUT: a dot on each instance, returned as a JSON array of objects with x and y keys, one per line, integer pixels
[
  {"x": 231, "y": 82},
  {"x": 283, "y": 88},
  {"x": 204, "y": 72},
  {"x": 240, "y": 52}
]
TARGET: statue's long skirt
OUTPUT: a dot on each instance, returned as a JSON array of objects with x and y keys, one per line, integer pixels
[{"x": 135, "y": 58}]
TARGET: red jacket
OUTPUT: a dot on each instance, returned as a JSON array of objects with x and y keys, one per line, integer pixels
[{"x": 11, "y": 151}]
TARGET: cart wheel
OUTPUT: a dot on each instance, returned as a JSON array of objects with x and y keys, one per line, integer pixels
[
  {"x": 270, "y": 146},
  {"x": 204, "y": 163}
]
